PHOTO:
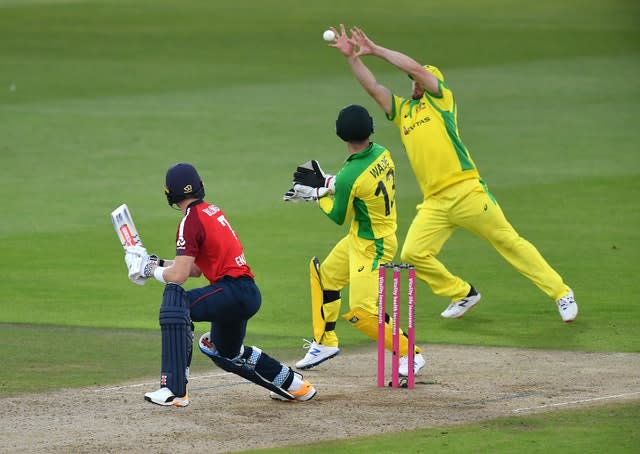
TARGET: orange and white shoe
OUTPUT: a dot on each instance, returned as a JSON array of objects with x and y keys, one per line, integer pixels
[
  {"x": 305, "y": 392},
  {"x": 165, "y": 397}
]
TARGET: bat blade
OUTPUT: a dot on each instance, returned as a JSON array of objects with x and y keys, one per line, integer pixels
[{"x": 124, "y": 226}]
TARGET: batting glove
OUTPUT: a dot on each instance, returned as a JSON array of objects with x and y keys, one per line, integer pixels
[{"x": 140, "y": 265}]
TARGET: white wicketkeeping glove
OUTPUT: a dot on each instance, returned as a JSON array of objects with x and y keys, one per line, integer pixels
[
  {"x": 302, "y": 193},
  {"x": 311, "y": 174}
]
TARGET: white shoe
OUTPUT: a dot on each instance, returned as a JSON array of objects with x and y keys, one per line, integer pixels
[
  {"x": 567, "y": 307},
  {"x": 317, "y": 354},
  {"x": 165, "y": 397},
  {"x": 304, "y": 393},
  {"x": 458, "y": 308},
  {"x": 418, "y": 364}
]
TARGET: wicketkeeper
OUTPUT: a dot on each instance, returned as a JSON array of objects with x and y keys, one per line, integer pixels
[
  {"x": 363, "y": 191},
  {"x": 206, "y": 244}
]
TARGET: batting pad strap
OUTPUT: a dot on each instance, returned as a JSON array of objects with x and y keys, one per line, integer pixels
[
  {"x": 252, "y": 357},
  {"x": 174, "y": 316},
  {"x": 259, "y": 368},
  {"x": 282, "y": 376},
  {"x": 330, "y": 326},
  {"x": 157, "y": 273}
]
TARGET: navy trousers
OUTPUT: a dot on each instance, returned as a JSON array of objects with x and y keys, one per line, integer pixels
[{"x": 228, "y": 305}]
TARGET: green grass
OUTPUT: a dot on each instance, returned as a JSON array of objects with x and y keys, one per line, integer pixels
[
  {"x": 67, "y": 357},
  {"x": 98, "y": 98},
  {"x": 560, "y": 431},
  {"x": 48, "y": 357}
]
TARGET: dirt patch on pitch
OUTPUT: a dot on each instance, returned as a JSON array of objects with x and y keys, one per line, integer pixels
[{"x": 460, "y": 384}]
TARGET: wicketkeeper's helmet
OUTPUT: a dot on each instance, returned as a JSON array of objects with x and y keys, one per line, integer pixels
[
  {"x": 183, "y": 182},
  {"x": 354, "y": 124}
]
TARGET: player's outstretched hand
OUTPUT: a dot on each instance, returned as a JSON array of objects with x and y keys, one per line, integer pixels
[
  {"x": 365, "y": 45},
  {"x": 303, "y": 193},
  {"x": 343, "y": 43},
  {"x": 310, "y": 174}
]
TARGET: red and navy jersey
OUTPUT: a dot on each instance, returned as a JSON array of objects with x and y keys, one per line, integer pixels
[{"x": 205, "y": 233}]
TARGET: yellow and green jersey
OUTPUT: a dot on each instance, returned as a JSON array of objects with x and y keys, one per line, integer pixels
[
  {"x": 365, "y": 190},
  {"x": 429, "y": 132}
]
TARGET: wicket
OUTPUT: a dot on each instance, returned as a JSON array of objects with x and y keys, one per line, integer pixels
[{"x": 395, "y": 327}]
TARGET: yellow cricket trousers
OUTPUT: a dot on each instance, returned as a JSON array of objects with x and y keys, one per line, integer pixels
[
  {"x": 354, "y": 261},
  {"x": 470, "y": 205}
]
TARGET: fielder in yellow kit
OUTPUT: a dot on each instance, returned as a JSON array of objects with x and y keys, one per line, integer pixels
[
  {"x": 454, "y": 194},
  {"x": 363, "y": 191}
]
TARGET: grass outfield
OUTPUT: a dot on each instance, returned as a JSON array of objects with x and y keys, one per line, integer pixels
[
  {"x": 98, "y": 98},
  {"x": 561, "y": 431}
]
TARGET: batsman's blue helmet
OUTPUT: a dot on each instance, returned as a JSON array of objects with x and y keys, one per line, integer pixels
[
  {"x": 183, "y": 182},
  {"x": 354, "y": 124}
]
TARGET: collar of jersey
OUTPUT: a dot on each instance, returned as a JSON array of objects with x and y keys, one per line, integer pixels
[
  {"x": 361, "y": 154},
  {"x": 195, "y": 202}
]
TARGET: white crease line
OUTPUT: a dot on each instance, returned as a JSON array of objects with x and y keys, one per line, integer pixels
[
  {"x": 138, "y": 385},
  {"x": 223, "y": 374},
  {"x": 616, "y": 396}
]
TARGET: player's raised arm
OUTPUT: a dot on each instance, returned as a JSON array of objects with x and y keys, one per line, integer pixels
[
  {"x": 347, "y": 46},
  {"x": 415, "y": 70}
]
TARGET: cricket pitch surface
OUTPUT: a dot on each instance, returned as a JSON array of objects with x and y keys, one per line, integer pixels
[{"x": 460, "y": 384}]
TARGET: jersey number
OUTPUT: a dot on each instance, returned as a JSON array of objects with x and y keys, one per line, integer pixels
[
  {"x": 381, "y": 188},
  {"x": 222, "y": 220}
]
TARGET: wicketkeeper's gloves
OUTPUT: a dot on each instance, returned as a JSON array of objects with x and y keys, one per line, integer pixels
[
  {"x": 311, "y": 174},
  {"x": 302, "y": 193}
]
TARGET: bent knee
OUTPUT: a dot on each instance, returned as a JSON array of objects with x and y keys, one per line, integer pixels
[{"x": 414, "y": 256}]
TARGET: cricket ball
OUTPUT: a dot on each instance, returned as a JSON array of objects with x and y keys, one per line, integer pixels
[{"x": 328, "y": 35}]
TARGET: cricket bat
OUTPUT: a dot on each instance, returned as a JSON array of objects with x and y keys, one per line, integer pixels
[{"x": 125, "y": 228}]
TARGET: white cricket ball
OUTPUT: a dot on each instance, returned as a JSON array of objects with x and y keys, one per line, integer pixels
[{"x": 328, "y": 35}]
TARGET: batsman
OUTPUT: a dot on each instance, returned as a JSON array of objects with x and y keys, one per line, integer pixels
[
  {"x": 363, "y": 191},
  {"x": 207, "y": 245}
]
